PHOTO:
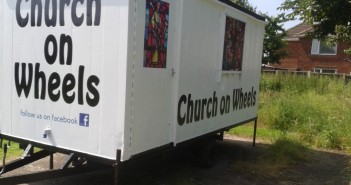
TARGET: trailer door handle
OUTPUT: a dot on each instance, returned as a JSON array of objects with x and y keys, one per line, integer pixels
[{"x": 173, "y": 72}]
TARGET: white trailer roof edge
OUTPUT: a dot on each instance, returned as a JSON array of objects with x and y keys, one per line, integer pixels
[{"x": 244, "y": 11}]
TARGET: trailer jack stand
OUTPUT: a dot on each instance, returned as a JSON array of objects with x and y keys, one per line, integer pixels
[
  {"x": 4, "y": 160},
  {"x": 117, "y": 167}
]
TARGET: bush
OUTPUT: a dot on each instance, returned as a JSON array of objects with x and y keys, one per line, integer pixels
[{"x": 315, "y": 110}]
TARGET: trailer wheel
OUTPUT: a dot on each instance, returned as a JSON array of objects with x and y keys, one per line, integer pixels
[{"x": 206, "y": 153}]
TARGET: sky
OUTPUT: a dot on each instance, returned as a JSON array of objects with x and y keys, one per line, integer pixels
[{"x": 270, "y": 7}]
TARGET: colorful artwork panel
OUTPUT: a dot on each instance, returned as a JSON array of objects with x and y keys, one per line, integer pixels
[
  {"x": 233, "y": 45},
  {"x": 156, "y": 34}
]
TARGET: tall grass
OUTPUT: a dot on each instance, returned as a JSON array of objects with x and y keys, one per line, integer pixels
[{"x": 315, "y": 111}]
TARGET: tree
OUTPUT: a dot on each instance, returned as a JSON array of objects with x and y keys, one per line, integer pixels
[
  {"x": 331, "y": 20},
  {"x": 245, "y": 4},
  {"x": 274, "y": 43}
]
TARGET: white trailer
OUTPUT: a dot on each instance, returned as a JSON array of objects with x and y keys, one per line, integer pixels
[{"x": 100, "y": 76}]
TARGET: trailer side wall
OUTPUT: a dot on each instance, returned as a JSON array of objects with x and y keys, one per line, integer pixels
[
  {"x": 150, "y": 79},
  {"x": 210, "y": 97},
  {"x": 63, "y": 73}
]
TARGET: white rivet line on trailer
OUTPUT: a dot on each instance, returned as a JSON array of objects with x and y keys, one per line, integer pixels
[{"x": 133, "y": 72}]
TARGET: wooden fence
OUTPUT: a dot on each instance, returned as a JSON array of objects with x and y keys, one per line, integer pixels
[{"x": 308, "y": 74}]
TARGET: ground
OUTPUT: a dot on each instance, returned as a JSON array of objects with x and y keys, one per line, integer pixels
[{"x": 237, "y": 162}]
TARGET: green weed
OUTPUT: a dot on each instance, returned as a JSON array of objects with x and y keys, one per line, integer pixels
[
  {"x": 314, "y": 110},
  {"x": 13, "y": 151}
]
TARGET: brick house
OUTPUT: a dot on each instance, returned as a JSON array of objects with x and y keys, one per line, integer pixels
[{"x": 305, "y": 54}]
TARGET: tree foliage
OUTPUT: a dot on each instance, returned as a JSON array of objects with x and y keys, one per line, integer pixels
[
  {"x": 331, "y": 19},
  {"x": 274, "y": 43},
  {"x": 245, "y": 4}
]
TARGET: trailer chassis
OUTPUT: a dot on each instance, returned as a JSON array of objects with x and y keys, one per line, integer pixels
[{"x": 76, "y": 159}]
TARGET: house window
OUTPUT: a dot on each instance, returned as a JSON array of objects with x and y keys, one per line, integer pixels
[
  {"x": 320, "y": 47},
  {"x": 324, "y": 70},
  {"x": 233, "y": 45}
]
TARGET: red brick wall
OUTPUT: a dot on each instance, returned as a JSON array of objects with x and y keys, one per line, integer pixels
[{"x": 300, "y": 58}]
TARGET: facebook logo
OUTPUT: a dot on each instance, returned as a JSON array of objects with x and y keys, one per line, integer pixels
[{"x": 84, "y": 120}]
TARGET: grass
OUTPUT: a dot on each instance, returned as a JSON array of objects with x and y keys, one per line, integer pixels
[
  {"x": 246, "y": 131},
  {"x": 315, "y": 111},
  {"x": 13, "y": 151},
  {"x": 297, "y": 113}
]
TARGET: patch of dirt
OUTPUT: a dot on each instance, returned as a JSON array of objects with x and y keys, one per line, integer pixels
[
  {"x": 326, "y": 167},
  {"x": 236, "y": 163}
]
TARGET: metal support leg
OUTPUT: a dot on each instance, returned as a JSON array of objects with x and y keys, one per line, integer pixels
[
  {"x": 71, "y": 157},
  {"x": 220, "y": 136},
  {"x": 74, "y": 160},
  {"x": 28, "y": 151},
  {"x": 51, "y": 161},
  {"x": 254, "y": 135},
  {"x": 4, "y": 160},
  {"x": 117, "y": 167}
]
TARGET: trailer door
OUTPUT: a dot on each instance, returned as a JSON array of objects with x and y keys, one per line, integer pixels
[{"x": 152, "y": 71}]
